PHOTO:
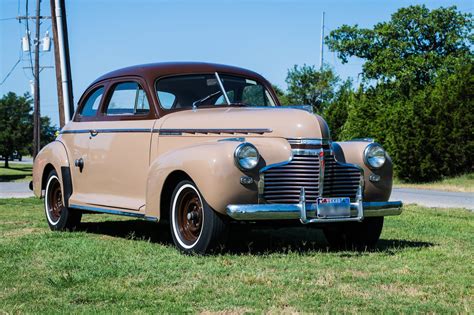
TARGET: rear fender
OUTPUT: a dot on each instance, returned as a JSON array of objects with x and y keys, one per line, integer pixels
[{"x": 52, "y": 156}]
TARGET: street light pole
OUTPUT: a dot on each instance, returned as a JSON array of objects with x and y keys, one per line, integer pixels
[
  {"x": 62, "y": 42},
  {"x": 321, "y": 63}
]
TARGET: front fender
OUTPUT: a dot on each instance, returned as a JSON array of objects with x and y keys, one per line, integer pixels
[
  {"x": 212, "y": 168},
  {"x": 54, "y": 154},
  {"x": 353, "y": 152}
]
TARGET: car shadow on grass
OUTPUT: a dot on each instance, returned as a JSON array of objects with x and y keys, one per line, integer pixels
[
  {"x": 305, "y": 240},
  {"x": 139, "y": 230},
  {"x": 243, "y": 240}
]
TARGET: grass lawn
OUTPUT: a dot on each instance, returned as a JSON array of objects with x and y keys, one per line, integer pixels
[
  {"x": 462, "y": 183},
  {"x": 424, "y": 263},
  {"x": 16, "y": 172}
]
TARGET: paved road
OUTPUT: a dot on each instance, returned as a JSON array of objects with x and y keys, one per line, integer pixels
[
  {"x": 429, "y": 198},
  {"x": 24, "y": 160},
  {"x": 434, "y": 198},
  {"x": 15, "y": 190}
]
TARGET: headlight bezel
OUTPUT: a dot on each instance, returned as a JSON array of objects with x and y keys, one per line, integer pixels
[
  {"x": 370, "y": 149},
  {"x": 237, "y": 156}
]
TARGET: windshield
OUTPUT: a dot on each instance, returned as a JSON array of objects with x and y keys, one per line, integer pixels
[{"x": 192, "y": 91}]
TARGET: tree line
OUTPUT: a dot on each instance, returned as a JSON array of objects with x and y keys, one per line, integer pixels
[
  {"x": 16, "y": 126},
  {"x": 416, "y": 92}
]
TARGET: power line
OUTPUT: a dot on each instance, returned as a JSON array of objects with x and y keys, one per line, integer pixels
[
  {"x": 20, "y": 58},
  {"x": 10, "y": 72}
]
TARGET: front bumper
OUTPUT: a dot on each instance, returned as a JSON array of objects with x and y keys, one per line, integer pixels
[{"x": 308, "y": 212}]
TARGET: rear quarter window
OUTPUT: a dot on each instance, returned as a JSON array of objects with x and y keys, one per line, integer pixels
[{"x": 92, "y": 102}]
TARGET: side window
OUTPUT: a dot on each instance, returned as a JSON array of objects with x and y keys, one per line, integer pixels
[
  {"x": 92, "y": 103},
  {"x": 166, "y": 99},
  {"x": 128, "y": 98}
]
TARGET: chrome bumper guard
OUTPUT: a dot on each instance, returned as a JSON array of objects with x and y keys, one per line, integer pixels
[{"x": 308, "y": 212}]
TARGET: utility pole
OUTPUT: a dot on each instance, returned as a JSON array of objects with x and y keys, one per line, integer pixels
[
  {"x": 57, "y": 65},
  {"x": 321, "y": 63},
  {"x": 36, "y": 69},
  {"x": 36, "y": 111}
]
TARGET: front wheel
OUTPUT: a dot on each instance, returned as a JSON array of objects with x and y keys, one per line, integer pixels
[
  {"x": 59, "y": 217},
  {"x": 355, "y": 235},
  {"x": 195, "y": 227}
]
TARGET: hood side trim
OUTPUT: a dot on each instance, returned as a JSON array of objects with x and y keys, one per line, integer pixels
[{"x": 178, "y": 132}]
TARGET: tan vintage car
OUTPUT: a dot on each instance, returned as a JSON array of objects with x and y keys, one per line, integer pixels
[{"x": 203, "y": 146}]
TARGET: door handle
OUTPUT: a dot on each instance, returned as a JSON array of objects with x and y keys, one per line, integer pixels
[
  {"x": 93, "y": 132},
  {"x": 79, "y": 163}
]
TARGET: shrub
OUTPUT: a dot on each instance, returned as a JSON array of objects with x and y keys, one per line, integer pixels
[{"x": 427, "y": 132}]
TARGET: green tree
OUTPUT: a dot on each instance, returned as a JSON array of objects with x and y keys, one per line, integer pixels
[
  {"x": 282, "y": 97},
  {"x": 411, "y": 47},
  {"x": 309, "y": 86},
  {"x": 336, "y": 112},
  {"x": 431, "y": 133},
  {"x": 15, "y": 124},
  {"x": 420, "y": 105},
  {"x": 48, "y": 131}
]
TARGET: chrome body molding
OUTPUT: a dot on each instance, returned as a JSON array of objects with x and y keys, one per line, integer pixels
[
  {"x": 306, "y": 108},
  {"x": 322, "y": 167},
  {"x": 362, "y": 140},
  {"x": 173, "y": 132},
  {"x": 73, "y": 131},
  {"x": 179, "y": 132},
  {"x": 309, "y": 141},
  {"x": 117, "y": 130},
  {"x": 111, "y": 211},
  {"x": 238, "y": 139}
]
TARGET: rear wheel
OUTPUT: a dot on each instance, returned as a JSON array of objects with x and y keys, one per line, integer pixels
[
  {"x": 58, "y": 216},
  {"x": 355, "y": 235},
  {"x": 195, "y": 227}
]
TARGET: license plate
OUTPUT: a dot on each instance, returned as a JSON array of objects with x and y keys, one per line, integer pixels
[{"x": 333, "y": 207}]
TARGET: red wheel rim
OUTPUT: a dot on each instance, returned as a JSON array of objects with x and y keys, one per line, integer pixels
[
  {"x": 55, "y": 200},
  {"x": 189, "y": 216}
]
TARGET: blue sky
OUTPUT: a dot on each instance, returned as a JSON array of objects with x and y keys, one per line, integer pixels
[{"x": 263, "y": 35}]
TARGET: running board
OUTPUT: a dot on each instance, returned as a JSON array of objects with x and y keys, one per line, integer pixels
[{"x": 114, "y": 212}]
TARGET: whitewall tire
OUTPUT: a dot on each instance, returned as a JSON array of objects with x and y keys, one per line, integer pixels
[
  {"x": 58, "y": 216},
  {"x": 195, "y": 227}
]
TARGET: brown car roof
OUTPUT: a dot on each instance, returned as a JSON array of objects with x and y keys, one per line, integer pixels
[{"x": 153, "y": 71}]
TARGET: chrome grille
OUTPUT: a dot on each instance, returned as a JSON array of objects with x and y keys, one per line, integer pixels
[
  {"x": 282, "y": 184},
  {"x": 340, "y": 180}
]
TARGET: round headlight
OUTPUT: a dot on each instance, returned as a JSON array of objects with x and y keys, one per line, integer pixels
[
  {"x": 374, "y": 155},
  {"x": 246, "y": 156}
]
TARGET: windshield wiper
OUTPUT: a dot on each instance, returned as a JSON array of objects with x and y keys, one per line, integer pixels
[{"x": 199, "y": 101}]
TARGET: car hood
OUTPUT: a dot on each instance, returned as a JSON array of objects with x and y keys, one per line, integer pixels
[{"x": 280, "y": 122}]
